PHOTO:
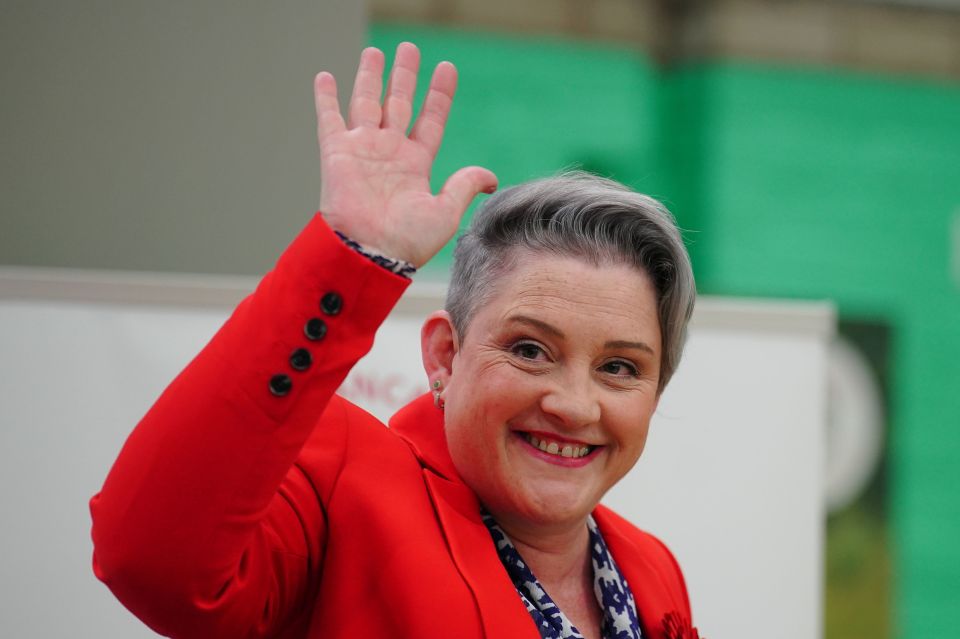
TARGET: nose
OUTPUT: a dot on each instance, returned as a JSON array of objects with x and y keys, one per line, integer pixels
[{"x": 572, "y": 401}]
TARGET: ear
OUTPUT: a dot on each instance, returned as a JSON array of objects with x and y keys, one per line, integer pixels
[{"x": 438, "y": 345}]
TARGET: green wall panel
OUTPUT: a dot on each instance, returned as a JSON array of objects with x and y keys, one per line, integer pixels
[
  {"x": 830, "y": 185},
  {"x": 845, "y": 185}
]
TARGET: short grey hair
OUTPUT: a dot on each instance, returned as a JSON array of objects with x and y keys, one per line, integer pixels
[{"x": 580, "y": 215}]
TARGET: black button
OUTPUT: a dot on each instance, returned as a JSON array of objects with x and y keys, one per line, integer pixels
[
  {"x": 280, "y": 384},
  {"x": 315, "y": 329},
  {"x": 331, "y": 304},
  {"x": 300, "y": 359}
]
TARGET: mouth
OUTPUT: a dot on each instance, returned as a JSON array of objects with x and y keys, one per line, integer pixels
[{"x": 557, "y": 447}]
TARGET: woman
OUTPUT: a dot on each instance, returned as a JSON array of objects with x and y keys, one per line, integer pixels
[{"x": 253, "y": 502}]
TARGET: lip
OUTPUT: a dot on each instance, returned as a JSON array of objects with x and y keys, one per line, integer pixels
[{"x": 568, "y": 462}]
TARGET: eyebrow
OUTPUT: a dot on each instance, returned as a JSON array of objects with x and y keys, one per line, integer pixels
[
  {"x": 547, "y": 328},
  {"x": 556, "y": 332},
  {"x": 619, "y": 343}
]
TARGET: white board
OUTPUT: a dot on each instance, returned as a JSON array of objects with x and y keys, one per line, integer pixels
[{"x": 731, "y": 478}]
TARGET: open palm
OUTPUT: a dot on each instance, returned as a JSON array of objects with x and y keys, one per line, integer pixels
[{"x": 375, "y": 178}]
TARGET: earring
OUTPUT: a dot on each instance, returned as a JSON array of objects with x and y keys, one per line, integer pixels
[{"x": 437, "y": 399}]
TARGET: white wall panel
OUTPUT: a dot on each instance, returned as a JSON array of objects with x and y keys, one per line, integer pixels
[{"x": 731, "y": 477}]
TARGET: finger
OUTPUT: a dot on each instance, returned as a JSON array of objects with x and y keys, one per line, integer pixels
[
  {"x": 365, "y": 101},
  {"x": 428, "y": 129},
  {"x": 398, "y": 105},
  {"x": 464, "y": 185},
  {"x": 329, "y": 120}
]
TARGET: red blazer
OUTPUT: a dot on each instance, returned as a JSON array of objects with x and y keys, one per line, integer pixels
[{"x": 234, "y": 512}]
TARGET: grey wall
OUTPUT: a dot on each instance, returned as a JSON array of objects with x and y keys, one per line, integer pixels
[{"x": 170, "y": 136}]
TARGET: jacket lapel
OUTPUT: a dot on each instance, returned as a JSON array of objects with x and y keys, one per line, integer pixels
[
  {"x": 501, "y": 610},
  {"x": 502, "y": 613},
  {"x": 651, "y": 592}
]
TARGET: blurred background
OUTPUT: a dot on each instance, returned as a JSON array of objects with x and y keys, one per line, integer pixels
[{"x": 810, "y": 149}]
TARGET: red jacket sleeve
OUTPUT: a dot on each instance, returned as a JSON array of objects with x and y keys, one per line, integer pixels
[{"x": 205, "y": 526}]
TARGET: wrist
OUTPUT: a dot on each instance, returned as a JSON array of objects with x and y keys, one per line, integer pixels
[{"x": 397, "y": 266}]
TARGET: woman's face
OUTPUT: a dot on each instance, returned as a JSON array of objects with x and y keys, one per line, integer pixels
[{"x": 551, "y": 391}]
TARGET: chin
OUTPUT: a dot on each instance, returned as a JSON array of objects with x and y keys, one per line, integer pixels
[{"x": 551, "y": 506}]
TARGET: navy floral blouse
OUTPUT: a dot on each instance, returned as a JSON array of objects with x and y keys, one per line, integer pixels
[{"x": 610, "y": 587}]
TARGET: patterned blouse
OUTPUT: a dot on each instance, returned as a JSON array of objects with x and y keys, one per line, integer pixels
[{"x": 610, "y": 587}]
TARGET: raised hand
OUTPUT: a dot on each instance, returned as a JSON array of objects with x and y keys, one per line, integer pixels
[{"x": 375, "y": 179}]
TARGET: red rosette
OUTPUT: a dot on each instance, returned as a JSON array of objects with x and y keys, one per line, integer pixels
[{"x": 676, "y": 626}]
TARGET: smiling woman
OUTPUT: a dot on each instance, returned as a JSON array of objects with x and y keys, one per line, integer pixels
[
  {"x": 251, "y": 501},
  {"x": 552, "y": 357}
]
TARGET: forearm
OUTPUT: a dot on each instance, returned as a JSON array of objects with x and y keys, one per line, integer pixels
[{"x": 193, "y": 495}]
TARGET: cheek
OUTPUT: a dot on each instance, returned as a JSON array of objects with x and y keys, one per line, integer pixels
[
  {"x": 632, "y": 435},
  {"x": 475, "y": 456},
  {"x": 631, "y": 442},
  {"x": 478, "y": 413},
  {"x": 468, "y": 437},
  {"x": 493, "y": 393},
  {"x": 458, "y": 431}
]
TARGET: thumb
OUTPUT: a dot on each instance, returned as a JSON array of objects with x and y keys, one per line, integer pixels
[{"x": 464, "y": 185}]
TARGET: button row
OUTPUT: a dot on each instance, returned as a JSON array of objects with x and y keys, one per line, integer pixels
[{"x": 315, "y": 330}]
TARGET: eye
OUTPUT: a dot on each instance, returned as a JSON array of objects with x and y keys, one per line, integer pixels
[
  {"x": 528, "y": 350},
  {"x": 620, "y": 368}
]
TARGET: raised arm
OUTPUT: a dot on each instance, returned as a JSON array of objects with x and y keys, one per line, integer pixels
[{"x": 206, "y": 526}]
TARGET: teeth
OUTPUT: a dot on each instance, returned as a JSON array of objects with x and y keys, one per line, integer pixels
[{"x": 555, "y": 448}]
